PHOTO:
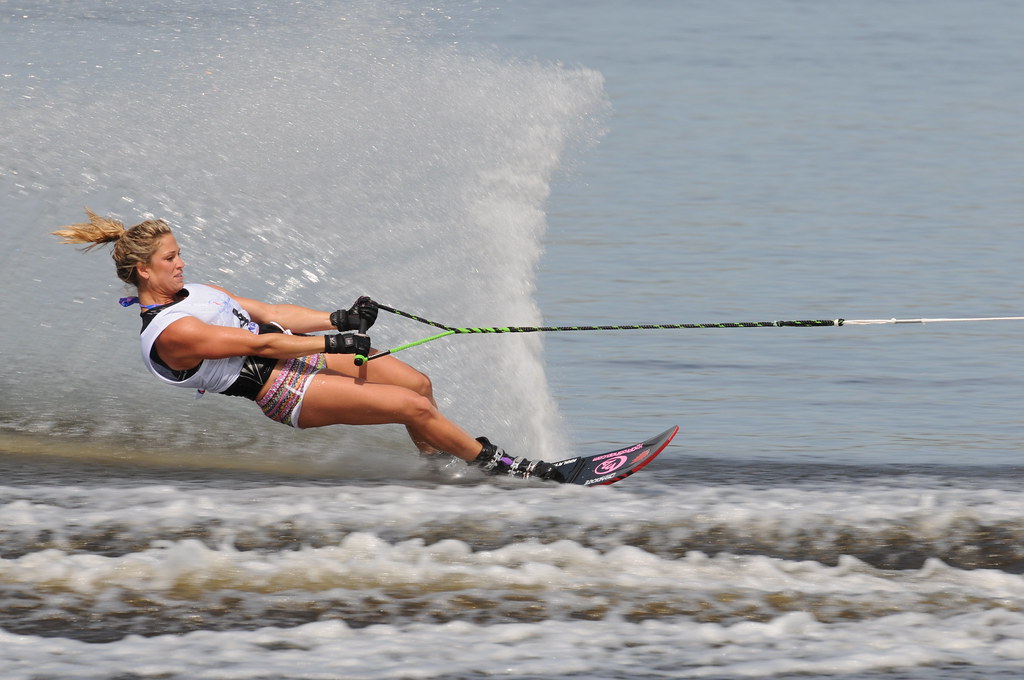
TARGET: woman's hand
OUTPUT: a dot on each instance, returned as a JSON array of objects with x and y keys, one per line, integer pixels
[
  {"x": 363, "y": 311},
  {"x": 349, "y": 342}
]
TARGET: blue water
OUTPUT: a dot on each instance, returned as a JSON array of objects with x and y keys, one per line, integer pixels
[
  {"x": 791, "y": 160},
  {"x": 841, "y": 502}
]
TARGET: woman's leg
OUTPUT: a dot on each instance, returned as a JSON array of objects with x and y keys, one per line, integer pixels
[
  {"x": 338, "y": 398},
  {"x": 334, "y": 398},
  {"x": 390, "y": 371}
]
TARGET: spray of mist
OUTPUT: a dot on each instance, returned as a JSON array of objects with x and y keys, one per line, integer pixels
[{"x": 302, "y": 154}]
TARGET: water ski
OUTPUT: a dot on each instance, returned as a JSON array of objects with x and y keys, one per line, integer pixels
[
  {"x": 597, "y": 469},
  {"x": 614, "y": 466}
]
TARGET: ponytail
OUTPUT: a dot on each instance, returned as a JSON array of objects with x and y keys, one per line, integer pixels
[
  {"x": 96, "y": 231},
  {"x": 132, "y": 246}
]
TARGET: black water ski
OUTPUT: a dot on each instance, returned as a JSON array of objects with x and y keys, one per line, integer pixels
[{"x": 614, "y": 466}]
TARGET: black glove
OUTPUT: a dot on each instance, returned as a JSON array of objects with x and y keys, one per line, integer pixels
[
  {"x": 348, "y": 342},
  {"x": 365, "y": 309}
]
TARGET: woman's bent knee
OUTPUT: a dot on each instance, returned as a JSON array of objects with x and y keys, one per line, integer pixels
[
  {"x": 424, "y": 386},
  {"x": 417, "y": 408}
]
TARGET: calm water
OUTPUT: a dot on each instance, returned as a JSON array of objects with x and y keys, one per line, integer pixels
[
  {"x": 841, "y": 502},
  {"x": 792, "y": 160}
]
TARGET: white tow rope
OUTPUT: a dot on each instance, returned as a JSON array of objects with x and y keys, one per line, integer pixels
[{"x": 875, "y": 322}]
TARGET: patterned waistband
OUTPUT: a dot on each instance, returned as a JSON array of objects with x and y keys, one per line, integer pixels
[{"x": 284, "y": 398}]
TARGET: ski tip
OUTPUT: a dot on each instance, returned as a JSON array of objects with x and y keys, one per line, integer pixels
[{"x": 608, "y": 468}]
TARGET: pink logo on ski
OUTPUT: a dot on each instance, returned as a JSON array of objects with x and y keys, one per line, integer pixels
[{"x": 610, "y": 465}]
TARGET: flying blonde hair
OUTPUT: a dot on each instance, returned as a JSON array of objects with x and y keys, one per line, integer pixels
[{"x": 132, "y": 246}]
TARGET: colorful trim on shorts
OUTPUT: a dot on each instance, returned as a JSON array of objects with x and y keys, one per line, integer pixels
[{"x": 284, "y": 398}]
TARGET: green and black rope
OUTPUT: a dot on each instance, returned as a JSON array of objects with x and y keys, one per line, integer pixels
[
  {"x": 804, "y": 323},
  {"x": 618, "y": 327},
  {"x": 452, "y": 330}
]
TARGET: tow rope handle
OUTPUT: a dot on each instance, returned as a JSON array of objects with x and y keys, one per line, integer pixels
[{"x": 361, "y": 359}]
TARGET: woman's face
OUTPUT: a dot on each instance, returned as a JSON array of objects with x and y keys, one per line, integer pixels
[{"x": 164, "y": 271}]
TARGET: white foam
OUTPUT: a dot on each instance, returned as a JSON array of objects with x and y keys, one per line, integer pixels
[
  {"x": 665, "y": 515},
  {"x": 489, "y": 554},
  {"x": 366, "y": 561},
  {"x": 788, "y": 645}
]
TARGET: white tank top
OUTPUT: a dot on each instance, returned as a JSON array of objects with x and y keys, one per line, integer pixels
[{"x": 211, "y": 306}]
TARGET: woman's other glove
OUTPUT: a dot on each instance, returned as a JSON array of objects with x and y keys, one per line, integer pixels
[{"x": 364, "y": 310}]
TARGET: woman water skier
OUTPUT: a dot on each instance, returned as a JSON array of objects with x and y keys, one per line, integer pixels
[{"x": 202, "y": 337}]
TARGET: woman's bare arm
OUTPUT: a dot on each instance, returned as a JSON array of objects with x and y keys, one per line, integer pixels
[
  {"x": 292, "y": 317},
  {"x": 188, "y": 341}
]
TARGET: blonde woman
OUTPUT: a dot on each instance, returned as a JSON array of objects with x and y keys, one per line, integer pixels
[{"x": 202, "y": 337}]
